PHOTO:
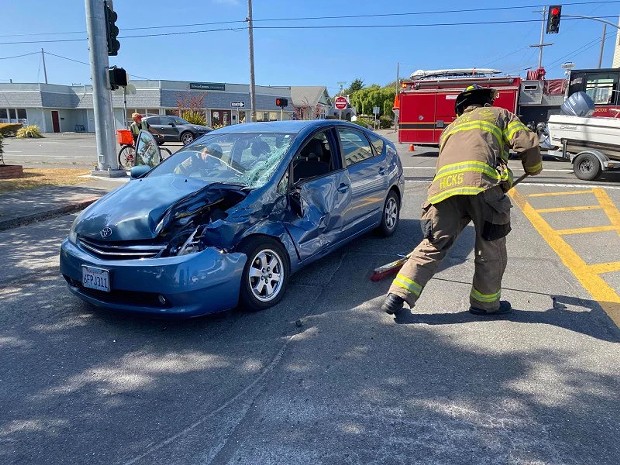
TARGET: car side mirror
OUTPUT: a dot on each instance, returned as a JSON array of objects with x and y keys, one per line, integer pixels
[{"x": 139, "y": 171}]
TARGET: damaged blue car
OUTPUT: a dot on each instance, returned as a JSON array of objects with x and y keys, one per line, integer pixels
[{"x": 227, "y": 220}]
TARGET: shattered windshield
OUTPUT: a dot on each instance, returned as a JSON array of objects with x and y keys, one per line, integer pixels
[{"x": 244, "y": 159}]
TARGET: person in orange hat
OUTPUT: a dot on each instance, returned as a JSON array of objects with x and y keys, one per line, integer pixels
[{"x": 138, "y": 124}]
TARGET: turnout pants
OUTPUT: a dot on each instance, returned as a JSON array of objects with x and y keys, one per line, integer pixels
[{"x": 441, "y": 224}]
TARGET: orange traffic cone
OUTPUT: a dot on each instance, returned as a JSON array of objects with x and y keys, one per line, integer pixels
[{"x": 411, "y": 149}]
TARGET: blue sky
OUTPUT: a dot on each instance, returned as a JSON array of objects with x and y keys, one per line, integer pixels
[{"x": 293, "y": 50}]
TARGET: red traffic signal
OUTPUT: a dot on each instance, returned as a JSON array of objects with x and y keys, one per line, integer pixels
[
  {"x": 281, "y": 102},
  {"x": 553, "y": 19}
]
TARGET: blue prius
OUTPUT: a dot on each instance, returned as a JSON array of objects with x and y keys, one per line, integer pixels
[{"x": 227, "y": 219}]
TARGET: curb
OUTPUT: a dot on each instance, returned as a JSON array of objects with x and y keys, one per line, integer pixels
[{"x": 45, "y": 215}]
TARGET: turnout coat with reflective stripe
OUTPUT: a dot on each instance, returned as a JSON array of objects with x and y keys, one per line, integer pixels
[{"x": 473, "y": 152}]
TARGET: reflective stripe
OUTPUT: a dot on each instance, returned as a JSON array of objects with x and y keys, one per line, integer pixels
[
  {"x": 408, "y": 284},
  {"x": 512, "y": 129},
  {"x": 455, "y": 191},
  {"x": 475, "y": 166},
  {"x": 475, "y": 125},
  {"x": 534, "y": 168},
  {"x": 486, "y": 298}
]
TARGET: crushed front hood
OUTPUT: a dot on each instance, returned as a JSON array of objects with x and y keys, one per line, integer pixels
[{"x": 133, "y": 212}]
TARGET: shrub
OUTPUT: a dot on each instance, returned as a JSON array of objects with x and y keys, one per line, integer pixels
[
  {"x": 194, "y": 117},
  {"x": 385, "y": 122},
  {"x": 361, "y": 123},
  {"x": 9, "y": 129},
  {"x": 29, "y": 131}
]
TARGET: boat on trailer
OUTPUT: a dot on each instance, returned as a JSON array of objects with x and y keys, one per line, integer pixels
[{"x": 592, "y": 144}]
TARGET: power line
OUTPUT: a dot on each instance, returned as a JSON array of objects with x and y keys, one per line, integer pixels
[
  {"x": 19, "y": 56},
  {"x": 314, "y": 18},
  {"x": 342, "y": 26}
]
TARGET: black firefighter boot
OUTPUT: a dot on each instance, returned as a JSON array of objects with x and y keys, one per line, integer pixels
[{"x": 392, "y": 304}]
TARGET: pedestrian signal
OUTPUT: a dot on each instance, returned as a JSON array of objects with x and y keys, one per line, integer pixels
[
  {"x": 281, "y": 102},
  {"x": 118, "y": 77},
  {"x": 111, "y": 30},
  {"x": 553, "y": 19}
]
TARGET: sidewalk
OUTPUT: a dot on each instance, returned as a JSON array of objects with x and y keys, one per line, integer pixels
[{"x": 27, "y": 206}]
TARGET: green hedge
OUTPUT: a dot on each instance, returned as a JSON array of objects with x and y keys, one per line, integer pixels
[{"x": 9, "y": 129}]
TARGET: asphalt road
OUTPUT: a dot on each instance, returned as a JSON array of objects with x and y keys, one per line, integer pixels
[{"x": 325, "y": 377}]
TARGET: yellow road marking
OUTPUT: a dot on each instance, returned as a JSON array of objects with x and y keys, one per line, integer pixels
[
  {"x": 608, "y": 206},
  {"x": 592, "y": 229},
  {"x": 594, "y": 284},
  {"x": 568, "y": 209},
  {"x": 553, "y": 194},
  {"x": 605, "y": 267}
]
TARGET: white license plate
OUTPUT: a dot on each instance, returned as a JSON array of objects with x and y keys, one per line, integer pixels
[{"x": 96, "y": 278}]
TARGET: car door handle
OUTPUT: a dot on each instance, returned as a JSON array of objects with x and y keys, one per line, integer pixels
[{"x": 343, "y": 188}]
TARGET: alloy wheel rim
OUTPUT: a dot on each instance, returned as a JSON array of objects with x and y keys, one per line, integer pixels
[
  {"x": 391, "y": 213},
  {"x": 266, "y": 275}
]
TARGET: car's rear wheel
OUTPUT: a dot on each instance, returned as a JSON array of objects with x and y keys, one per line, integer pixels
[
  {"x": 187, "y": 138},
  {"x": 265, "y": 274},
  {"x": 390, "y": 215}
]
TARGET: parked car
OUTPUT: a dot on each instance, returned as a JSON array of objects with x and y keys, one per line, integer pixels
[
  {"x": 176, "y": 129},
  {"x": 228, "y": 219}
]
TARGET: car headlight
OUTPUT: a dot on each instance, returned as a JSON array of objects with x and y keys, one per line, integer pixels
[{"x": 72, "y": 234}]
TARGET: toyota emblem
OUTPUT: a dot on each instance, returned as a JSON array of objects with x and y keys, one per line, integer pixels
[{"x": 106, "y": 232}]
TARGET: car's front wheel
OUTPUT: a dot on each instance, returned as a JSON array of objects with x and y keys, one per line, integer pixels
[
  {"x": 187, "y": 138},
  {"x": 265, "y": 274}
]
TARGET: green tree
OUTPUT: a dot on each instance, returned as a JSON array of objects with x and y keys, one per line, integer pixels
[{"x": 356, "y": 85}]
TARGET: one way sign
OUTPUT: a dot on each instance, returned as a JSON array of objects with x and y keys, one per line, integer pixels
[{"x": 237, "y": 104}]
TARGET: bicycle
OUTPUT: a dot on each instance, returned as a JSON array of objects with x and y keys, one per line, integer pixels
[{"x": 127, "y": 154}]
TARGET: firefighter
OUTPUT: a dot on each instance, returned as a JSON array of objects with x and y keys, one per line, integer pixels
[{"x": 470, "y": 185}]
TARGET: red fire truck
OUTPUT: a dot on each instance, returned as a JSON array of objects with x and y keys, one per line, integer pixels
[{"x": 426, "y": 100}]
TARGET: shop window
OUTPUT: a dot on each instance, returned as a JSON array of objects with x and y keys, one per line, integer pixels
[
  {"x": 21, "y": 113},
  {"x": 273, "y": 116},
  {"x": 12, "y": 114},
  {"x": 152, "y": 111},
  {"x": 3, "y": 115}
]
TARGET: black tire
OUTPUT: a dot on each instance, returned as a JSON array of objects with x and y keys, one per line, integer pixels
[
  {"x": 165, "y": 153},
  {"x": 587, "y": 167},
  {"x": 187, "y": 138},
  {"x": 266, "y": 259},
  {"x": 126, "y": 157},
  {"x": 390, "y": 216}
]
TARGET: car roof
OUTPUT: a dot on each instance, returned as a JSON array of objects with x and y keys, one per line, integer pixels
[{"x": 290, "y": 127}]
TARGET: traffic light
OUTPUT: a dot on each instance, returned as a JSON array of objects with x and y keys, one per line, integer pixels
[
  {"x": 553, "y": 19},
  {"x": 281, "y": 102},
  {"x": 118, "y": 77},
  {"x": 111, "y": 30}
]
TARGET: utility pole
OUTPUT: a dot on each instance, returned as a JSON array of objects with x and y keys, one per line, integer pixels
[
  {"x": 102, "y": 100},
  {"x": 45, "y": 69},
  {"x": 600, "y": 57},
  {"x": 542, "y": 36},
  {"x": 252, "y": 81}
]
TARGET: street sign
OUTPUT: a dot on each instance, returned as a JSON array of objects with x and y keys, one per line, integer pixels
[
  {"x": 340, "y": 102},
  {"x": 237, "y": 104},
  {"x": 375, "y": 110}
]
